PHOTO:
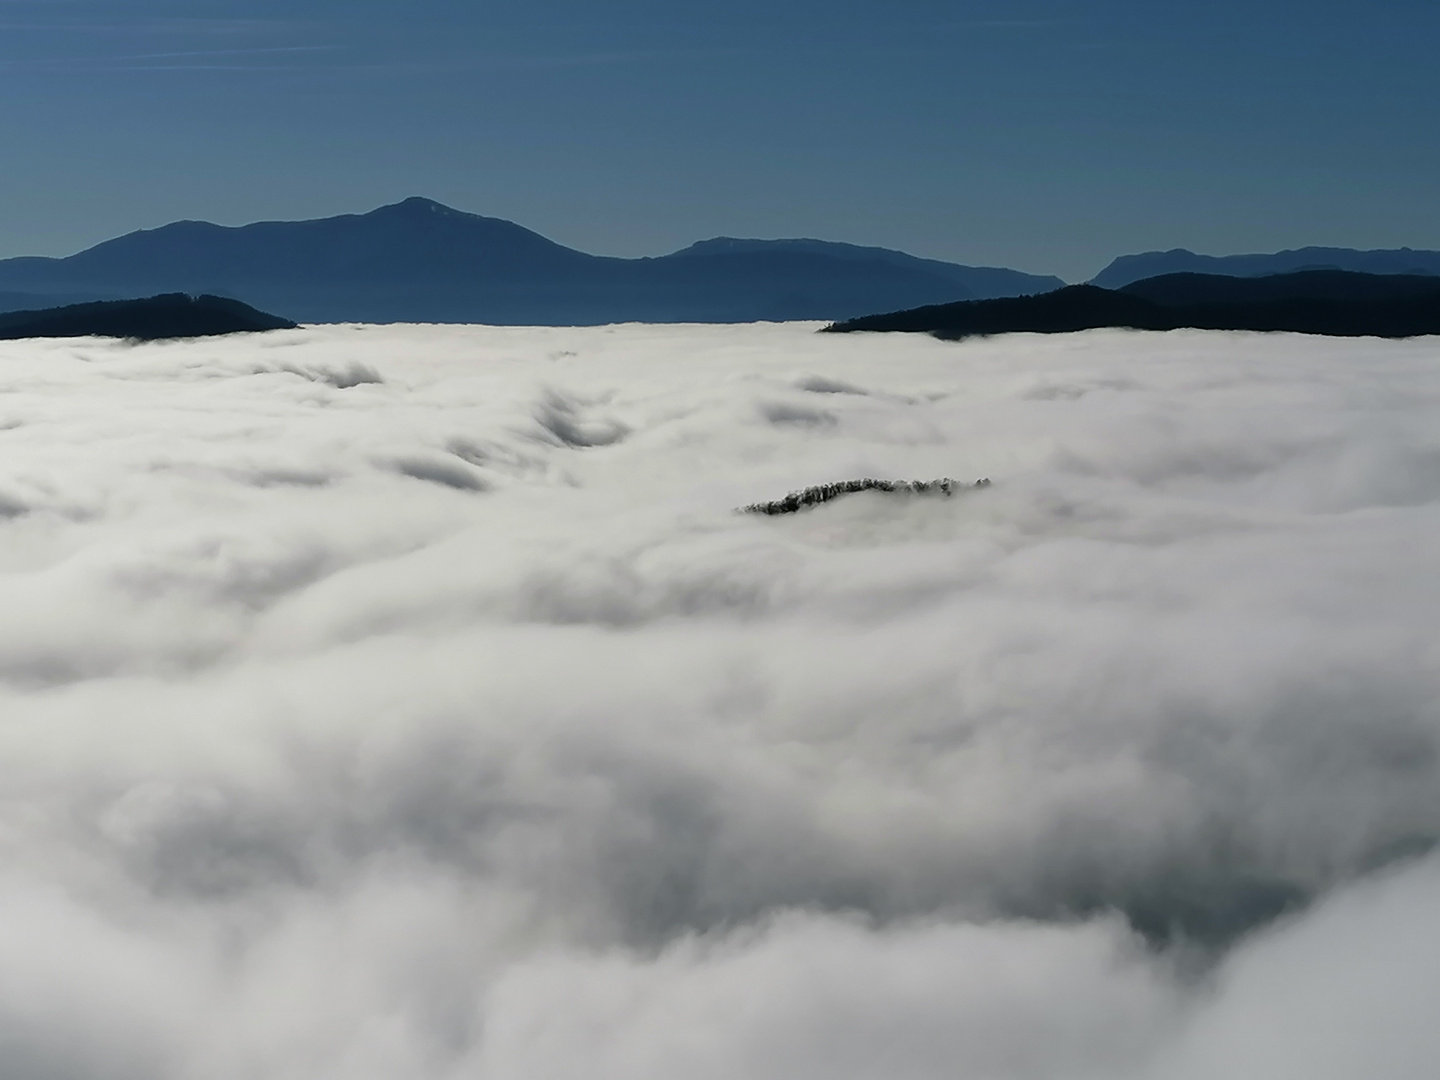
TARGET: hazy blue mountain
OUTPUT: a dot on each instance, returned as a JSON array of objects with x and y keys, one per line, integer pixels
[
  {"x": 21, "y": 301},
  {"x": 1128, "y": 268},
  {"x": 423, "y": 262},
  {"x": 978, "y": 282},
  {"x": 1332, "y": 302}
]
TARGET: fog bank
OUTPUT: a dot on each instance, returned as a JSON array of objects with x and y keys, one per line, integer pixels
[{"x": 414, "y": 702}]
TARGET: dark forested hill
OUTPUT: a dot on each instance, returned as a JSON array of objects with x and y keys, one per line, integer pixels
[
  {"x": 172, "y": 316},
  {"x": 1312, "y": 302},
  {"x": 420, "y": 261},
  {"x": 1342, "y": 285}
]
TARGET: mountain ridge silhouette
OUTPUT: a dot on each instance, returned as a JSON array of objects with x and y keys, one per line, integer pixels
[
  {"x": 419, "y": 260},
  {"x": 154, "y": 318},
  {"x": 1336, "y": 303},
  {"x": 1126, "y": 269}
]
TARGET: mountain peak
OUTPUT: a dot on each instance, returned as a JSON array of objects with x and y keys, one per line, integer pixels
[
  {"x": 419, "y": 206},
  {"x": 420, "y": 260}
]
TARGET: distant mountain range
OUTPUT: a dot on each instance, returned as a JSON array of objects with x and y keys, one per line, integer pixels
[
  {"x": 172, "y": 316},
  {"x": 1151, "y": 264},
  {"x": 419, "y": 261},
  {"x": 1333, "y": 302}
]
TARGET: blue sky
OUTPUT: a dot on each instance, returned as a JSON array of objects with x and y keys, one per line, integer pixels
[{"x": 1047, "y": 135}]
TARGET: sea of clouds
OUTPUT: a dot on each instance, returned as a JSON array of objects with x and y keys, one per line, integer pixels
[{"x": 412, "y": 702}]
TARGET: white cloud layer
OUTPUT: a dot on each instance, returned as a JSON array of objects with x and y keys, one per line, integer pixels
[{"x": 410, "y": 702}]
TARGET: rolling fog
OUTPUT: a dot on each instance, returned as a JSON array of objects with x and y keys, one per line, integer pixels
[{"x": 412, "y": 702}]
